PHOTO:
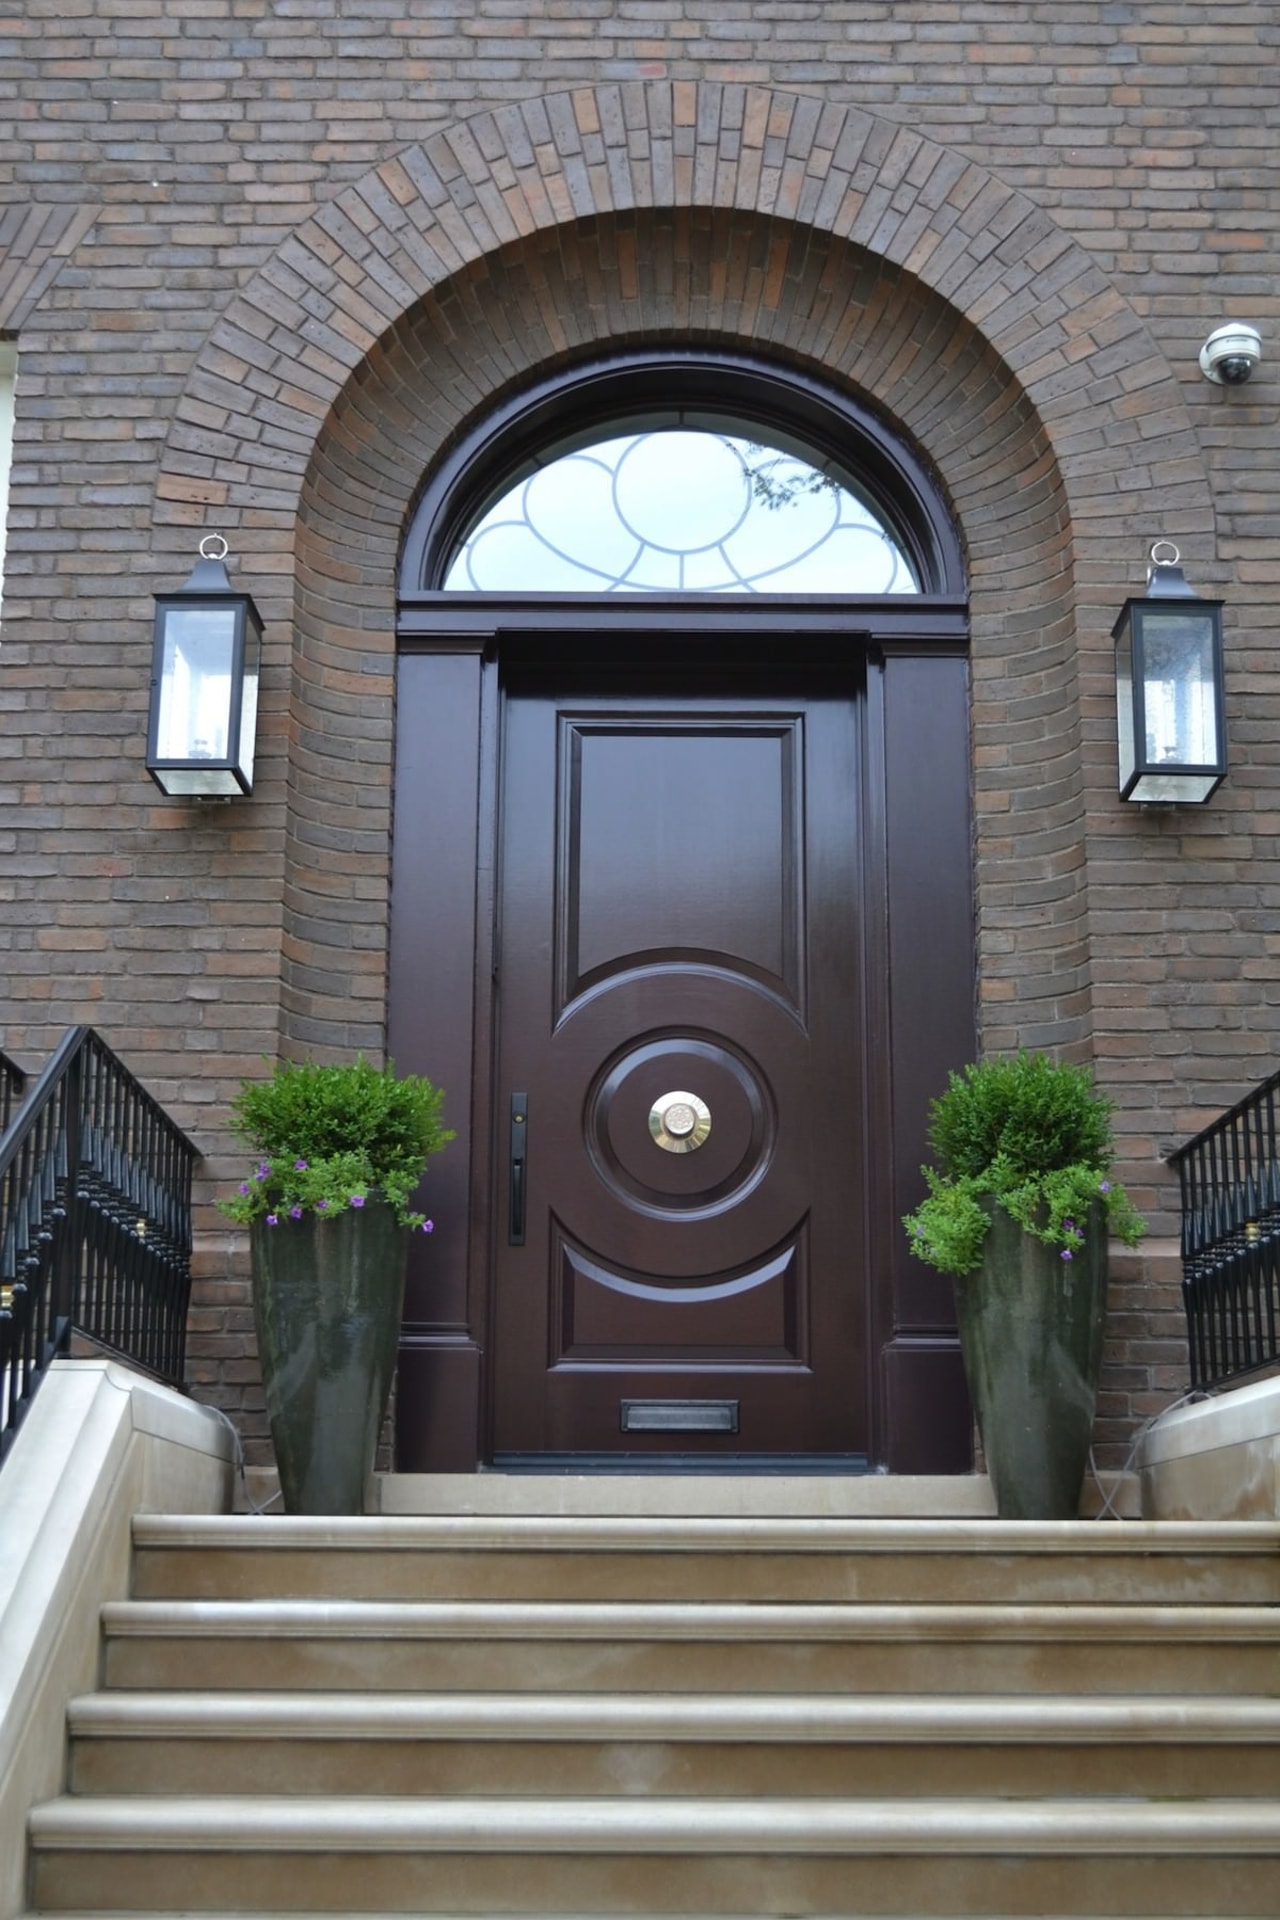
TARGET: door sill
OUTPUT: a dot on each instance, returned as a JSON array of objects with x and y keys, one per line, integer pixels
[{"x": 692, "y": 1464}]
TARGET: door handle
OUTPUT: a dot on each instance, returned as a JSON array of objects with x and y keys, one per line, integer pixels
[{"x": 519, "y": 1167}]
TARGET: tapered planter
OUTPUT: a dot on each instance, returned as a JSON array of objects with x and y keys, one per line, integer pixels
[
  {"x": 327, "y": 1299},
  {"x": 1031, "y": 1326}
]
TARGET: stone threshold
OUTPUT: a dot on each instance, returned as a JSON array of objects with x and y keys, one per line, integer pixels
[
  {"x": 808, "y": 1496},
  {"x": 815, "y": 1496}
]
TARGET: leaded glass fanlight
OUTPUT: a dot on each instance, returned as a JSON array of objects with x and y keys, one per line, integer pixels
[
  {"x": 709, "y": 506},
  {"x": 676, "y": 474}
]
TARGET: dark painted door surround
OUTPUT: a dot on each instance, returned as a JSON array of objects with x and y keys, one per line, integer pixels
[{"x": 682, "y": 921}]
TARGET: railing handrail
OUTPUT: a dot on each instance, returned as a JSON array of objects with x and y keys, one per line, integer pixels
[
  {"x": 41, "y": 1091},
  {"x": 37, "y": 1097},
  {"x": 1225, "y": 1120},
  {"x": 95, "y": 1223},
  {"x": 1229, "y": 1182}
]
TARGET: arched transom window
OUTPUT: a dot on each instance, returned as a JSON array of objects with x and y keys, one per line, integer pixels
[
  {"x": 697, "y": 507},
  {"x": 687, "y": 473}
]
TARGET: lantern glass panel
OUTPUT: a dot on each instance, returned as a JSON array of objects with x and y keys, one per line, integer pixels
[
  {"x": 1179, "y": 689},
  {"x": 249, "y": 709},
  {"x": 197, "y": 683},
  {"x": 1124, "y": 703}
]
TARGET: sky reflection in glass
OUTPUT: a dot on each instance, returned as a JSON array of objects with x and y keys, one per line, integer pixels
[{"x": 680, "y": 510}]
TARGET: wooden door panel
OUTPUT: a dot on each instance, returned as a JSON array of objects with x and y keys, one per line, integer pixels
[
  {"x": 680, "y": 913},
  {"x": 679, "y": 838},
  {"x": 700, "y": 1032},
  {"x": 605, "y": 1315}
]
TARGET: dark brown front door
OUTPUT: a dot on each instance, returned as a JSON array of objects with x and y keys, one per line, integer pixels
[{"x": 681, "y": 931}]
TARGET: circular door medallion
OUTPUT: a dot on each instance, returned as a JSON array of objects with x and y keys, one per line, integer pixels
[
  {"x": 700, "y": 1170},
  {"x": 679, "y": 1122}
]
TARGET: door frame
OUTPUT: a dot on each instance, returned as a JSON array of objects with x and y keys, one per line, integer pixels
[{"x": 444, "y": 897}]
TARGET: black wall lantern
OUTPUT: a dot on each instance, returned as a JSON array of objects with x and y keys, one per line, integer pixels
[
  {"x": 204, "y": 683},
  {"x": 1169, "y": 689}
]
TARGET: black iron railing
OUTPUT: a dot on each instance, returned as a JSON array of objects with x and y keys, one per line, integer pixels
[
  {"x": 12, "y": 1083},
  {"x": 95, "y": 1223},
  {"x": 1230, "y": 1179}
]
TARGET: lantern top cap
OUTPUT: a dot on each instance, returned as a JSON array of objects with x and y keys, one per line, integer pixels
[
  {"x": 1165, "y": 577},
  {"x": 209, "y": 574}
]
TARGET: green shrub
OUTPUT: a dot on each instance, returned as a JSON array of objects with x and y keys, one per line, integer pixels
[
  {"x": 331, "y": 1137},
  {"x": 1029, "y": 1135}
]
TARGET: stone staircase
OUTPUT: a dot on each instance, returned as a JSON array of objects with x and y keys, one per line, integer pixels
[{"x": 665, "y": 1714}]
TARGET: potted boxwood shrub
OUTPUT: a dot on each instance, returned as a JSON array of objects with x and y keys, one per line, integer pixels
[
  {"x": 339, "y": 1152},
  {"x": 1018, "y": 1211}
]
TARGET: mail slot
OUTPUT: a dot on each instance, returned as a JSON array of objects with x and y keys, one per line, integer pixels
[{"x": 679, "y": 1416}]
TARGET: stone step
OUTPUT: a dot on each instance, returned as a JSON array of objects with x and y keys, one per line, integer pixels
[
  {"x": 731, "y": 1487},
  {"x": 711, "y": 1745},
  {"x": 474, "y": 1647},
  {"x": 673, "y": 1558},
  {"x": 768, "y": 1856},
  {"x": 742, "y": 1487}
]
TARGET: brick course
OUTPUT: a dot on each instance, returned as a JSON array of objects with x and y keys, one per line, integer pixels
[{"x": 261, "y": 263}]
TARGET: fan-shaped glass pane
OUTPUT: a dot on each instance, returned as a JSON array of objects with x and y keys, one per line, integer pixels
[{"x": 681, "y": 509}]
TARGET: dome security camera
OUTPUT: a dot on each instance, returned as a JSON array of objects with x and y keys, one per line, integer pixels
[{"x": 1231, "y": 353}]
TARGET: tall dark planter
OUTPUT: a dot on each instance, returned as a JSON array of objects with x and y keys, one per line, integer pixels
[
  {"x": 327, "y": 1298},
  {"x": 1031, "y": 1326}
]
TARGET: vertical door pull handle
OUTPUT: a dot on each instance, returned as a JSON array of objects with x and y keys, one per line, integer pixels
[{"x": 519, "y": 1165}]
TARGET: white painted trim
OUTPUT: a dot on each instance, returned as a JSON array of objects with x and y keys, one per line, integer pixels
[{"x": 98, "y": 1445}]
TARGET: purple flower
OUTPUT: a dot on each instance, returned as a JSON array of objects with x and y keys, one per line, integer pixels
[
  {"x": 273, "y": 1219},
  {"x": 295, "y": 1212},
  {"x": 1104, "y": 1186},
  {"x": 357, "y": 1199},
  {"x": 299, "y": 1166},
  {"x": 321, "y": 1205},
  {"x": 1068, "y": 1226},
  {"x": 428, "y": 1226},
  {"x": 263, "y": 1170},
  {"x": 244, "y": 1186},
  {"x": 1067, "y": 1254}
]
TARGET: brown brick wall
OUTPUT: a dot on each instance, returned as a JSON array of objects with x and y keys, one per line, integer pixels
[{"x": 261, "y": 263}]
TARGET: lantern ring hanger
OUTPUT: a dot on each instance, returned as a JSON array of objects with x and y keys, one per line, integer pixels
[
  {"x": 208, "y": 548},
  {"x": 1174, "y": 558}
]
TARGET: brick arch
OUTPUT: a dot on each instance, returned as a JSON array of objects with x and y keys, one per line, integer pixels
[
  {"x": 278, "y": 358},
  {"x": 822, "y": 235}
]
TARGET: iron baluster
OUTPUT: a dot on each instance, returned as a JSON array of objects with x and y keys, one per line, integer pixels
[
  {"x": 95, "y": 1223},
  {"x": 1229, "y": 1183},
  {"x": 12, "y": 1084}
]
